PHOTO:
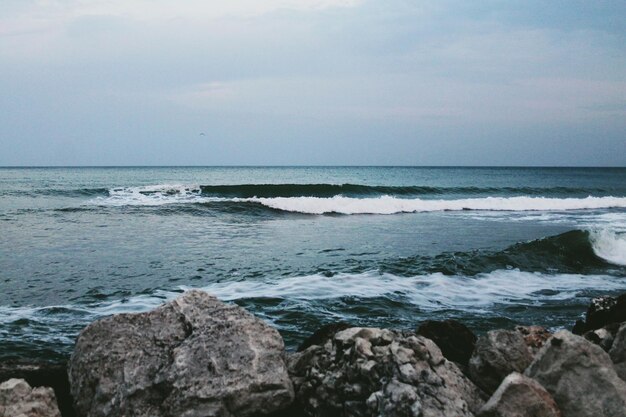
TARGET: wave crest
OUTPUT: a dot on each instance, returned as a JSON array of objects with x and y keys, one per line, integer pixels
[
  {"x": 393, "y": 205},
  {"x": 609, "y": 246}
]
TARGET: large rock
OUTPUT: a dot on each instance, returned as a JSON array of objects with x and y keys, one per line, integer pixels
[
  {"x": 497, "y": 354},
  {"x": 377, "y": 372},
  {"x": 454, "y": 339},
  {"x": 580, "y": 377},
  {"x": 601, "y": 312},
  {"x": 618, "y": 352},
  {"x": 194, "y": 356},
  {"x": 18, "y": 399},
  {"x": 520, "y": 396}
]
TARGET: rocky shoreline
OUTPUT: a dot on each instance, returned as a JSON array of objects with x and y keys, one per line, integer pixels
[{"x": 198, "y": 357}]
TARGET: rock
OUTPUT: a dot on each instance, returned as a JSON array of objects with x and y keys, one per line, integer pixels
[
  {"x": 323, "y": 334},
  {"x": 534, "y": 337},
  {"x": 602, "y": 311},
  {"x": 376, "y": 372},
  {"x": 580, "y": 377},
  {"x": 497, "y": 354},
  {"x": 18, "y": 399},
  {"x": 603, "y": 337},
  {"x": 520, "y": 396},
  {"x": 194, "y": 356},
  {"x": 454, "y": 339},
  {"x": 42, "y": 374},
  {"x": 618, "y": 352}
]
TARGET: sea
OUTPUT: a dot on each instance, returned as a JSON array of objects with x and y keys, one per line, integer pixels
[{"x": 305, "y": 246}]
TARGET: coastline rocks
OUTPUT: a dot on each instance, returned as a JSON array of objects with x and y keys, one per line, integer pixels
[
  {"x": 42, "y": 374},
  {"x": 580, "y": 377},
  {"x": 618, "y": 352},
  {"x": 321, "y": 335},
  {"x": 455, "y": 340},
  {"x": 602, "y": 311},
  {"x": 520, "y": 396},
  {"x": 497, "y": 354},
  {"x": 379, "y": 372},
  {"x": 194, "y": 356},
  {"x": 18, "y": 399}
]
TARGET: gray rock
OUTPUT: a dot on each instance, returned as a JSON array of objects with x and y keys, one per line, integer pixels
[
  {"x": 378, "y": 372},
  {"x": 497, "y": 354},
  {"x": 618, "y": 352},
  {"x": 520, "y": 396},
  {"x": 18, "y": 399},
  {"x": 194, "y": 356},
  {"x": 580, "y": 377}
]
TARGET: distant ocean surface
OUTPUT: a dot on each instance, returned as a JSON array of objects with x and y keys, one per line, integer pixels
[{"x": 301, "y": 247}]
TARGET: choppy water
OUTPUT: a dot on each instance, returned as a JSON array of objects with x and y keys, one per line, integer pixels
[{"x": 305, "y": 246}]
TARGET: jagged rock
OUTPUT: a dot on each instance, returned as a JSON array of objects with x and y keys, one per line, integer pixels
[
  {"x": 18, "y": 399},
  {"x": 602, "y": 311},
  {"x": 43, "y": 374},
  {"x": 618, "y": 352},
  {"x": 376, "y": 372},
  {"x": 324, "y": 333},
  {"x": 534, "y": 337},
  {"x": 194, "y": 356},
  {"x": 454, "y": 339},
  {"x": 520, "y": 396},
  {"x": 497, "y": 354},
  {"x": 580, "y": 377}
]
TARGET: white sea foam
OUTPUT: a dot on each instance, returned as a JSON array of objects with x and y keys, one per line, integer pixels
[
  {"x": 428, "y": 292},
  {"x": 150, "y": 195},
  {"x": 609, "y": 246},
  {"x": 392, "y": 205}
]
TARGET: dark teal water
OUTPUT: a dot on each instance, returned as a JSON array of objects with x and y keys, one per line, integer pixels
[{"x": 305, "y": 246}]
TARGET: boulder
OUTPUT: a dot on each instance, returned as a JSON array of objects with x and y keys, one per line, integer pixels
[
  {"x": 497, "y": 354},
  {"x": 602, "y": 311},
  {"x": 454, "y": 339},
  {"x": 194, "y": 356},
  {"x": 375, "y": 372},
  {"x": 580, "y": 377},
  {"x": 520, "y": 396},
  {"x": 18, "y": 399},
  {"x": 618, "y": 352},
  {"x": 43, "y": 374}
]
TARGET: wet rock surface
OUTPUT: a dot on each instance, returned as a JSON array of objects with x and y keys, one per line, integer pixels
[
  {"x": 18, "y": 399},
  {"x": 520, "y": 396},
  {"x": 194, "y": 356},
  {"x": 455, "y": 340},
  {"x": 601, "y": 312},
  {"x": 580, "y": 377},
  {"x": 379, "y": 372}
]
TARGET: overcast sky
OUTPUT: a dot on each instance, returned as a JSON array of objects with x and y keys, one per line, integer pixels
[{"x": 330, "y": 82}]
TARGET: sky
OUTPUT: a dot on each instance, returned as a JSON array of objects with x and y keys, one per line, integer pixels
[{"x": 312, "y": 82}]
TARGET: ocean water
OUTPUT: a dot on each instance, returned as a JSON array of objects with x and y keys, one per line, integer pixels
[{"x": 301, "y": 247}]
